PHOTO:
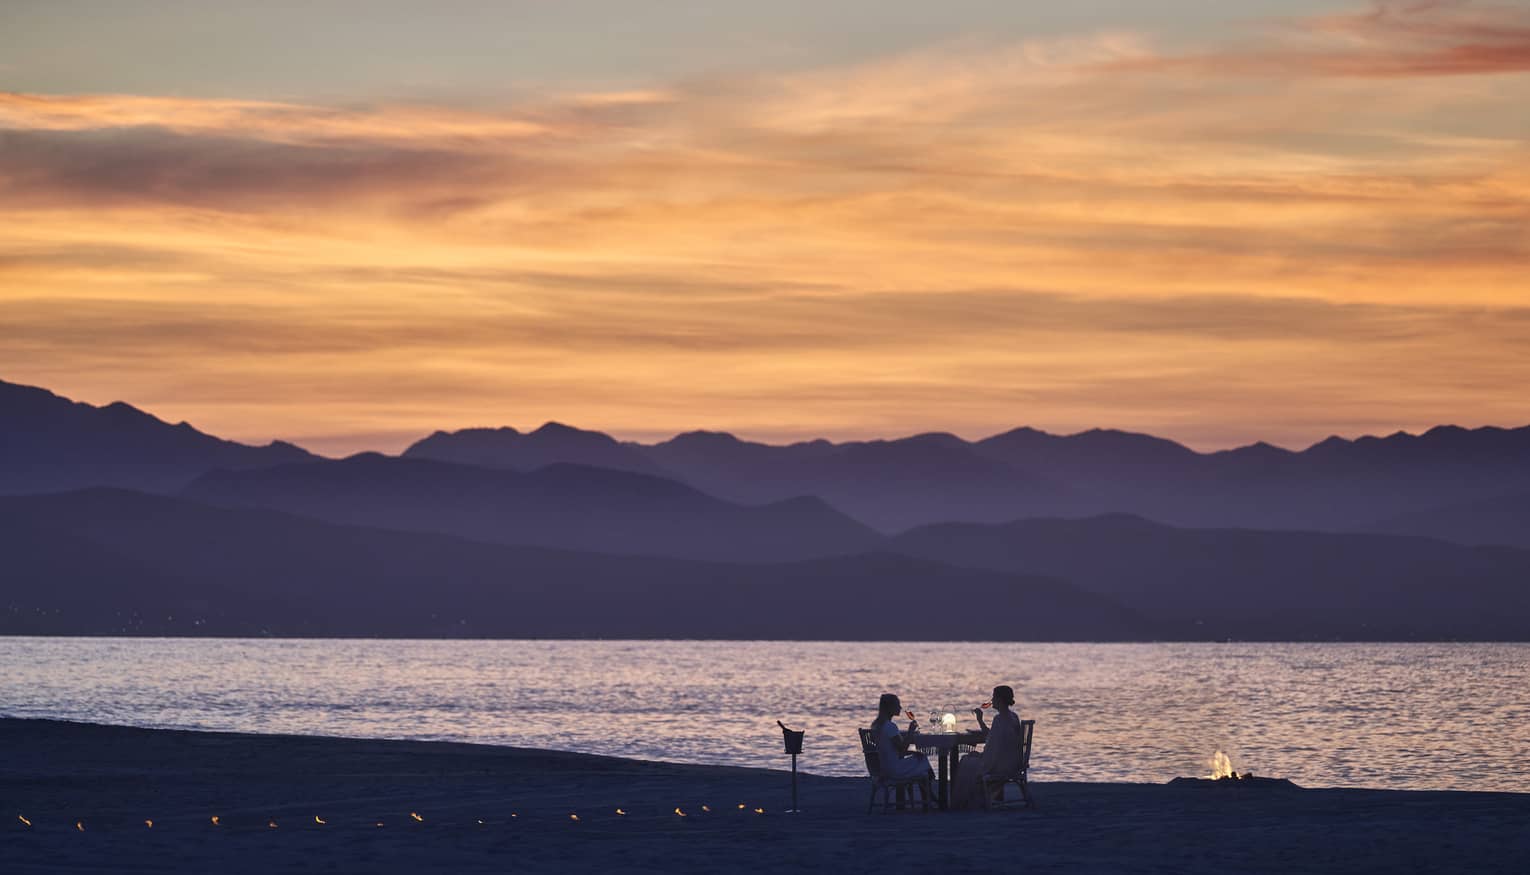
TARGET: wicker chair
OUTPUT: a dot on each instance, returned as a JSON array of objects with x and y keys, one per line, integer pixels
[
  {"x": 993, "y": 785},
  {"x": 888, "y": 785}
]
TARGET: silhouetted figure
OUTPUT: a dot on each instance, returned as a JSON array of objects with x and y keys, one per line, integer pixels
[
  {"x": 892, "y": 749},
  {"x": 1000, "y": 754}
]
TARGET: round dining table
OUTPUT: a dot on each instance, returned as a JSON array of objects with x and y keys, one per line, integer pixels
[{"x": 945, "y": 744}]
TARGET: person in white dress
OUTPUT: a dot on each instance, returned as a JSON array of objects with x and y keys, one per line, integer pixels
[
  {"x": 1000, "y": 754},
  {"x": 897, "y": 762}
]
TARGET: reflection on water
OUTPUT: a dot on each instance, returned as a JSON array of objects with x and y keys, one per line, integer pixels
[{"x": 1377, "y": 715}]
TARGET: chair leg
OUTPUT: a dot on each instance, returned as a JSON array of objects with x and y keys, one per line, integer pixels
[{"x": 1025, "y": 791}]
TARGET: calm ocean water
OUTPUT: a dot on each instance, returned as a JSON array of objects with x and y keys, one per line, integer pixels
[{"x": 1375, "y": 715}]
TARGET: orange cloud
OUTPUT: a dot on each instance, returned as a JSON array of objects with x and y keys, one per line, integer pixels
[{"x": 964, "y": 237}]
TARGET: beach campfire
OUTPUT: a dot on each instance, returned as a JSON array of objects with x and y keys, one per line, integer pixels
[
  {"x": 1224, "y": 773},
  {"x": 1222, "y": 769}
]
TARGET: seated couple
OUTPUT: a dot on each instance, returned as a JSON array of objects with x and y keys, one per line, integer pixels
[{"x": 1000, "y": 754}]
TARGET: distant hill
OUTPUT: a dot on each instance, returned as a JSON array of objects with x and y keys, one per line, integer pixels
[
  {"x": 107, "y": 561},
  {"x": 562, "y": 505},
  {"x": 549, "y": 445},
  {"x": 1502, "y": 519},
  {"x": 888, "y": 484},
  {"x": 49, "y": 443},
  {"x": 1336, "y": 485},
  {"x": 1237, "y": 583}
]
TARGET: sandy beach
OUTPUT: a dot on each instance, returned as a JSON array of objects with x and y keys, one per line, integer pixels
[{"x": 483, "y": 809}]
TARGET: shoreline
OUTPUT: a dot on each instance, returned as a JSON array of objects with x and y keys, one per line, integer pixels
[
  {"x": 111, "y": 780},
  {"x": 1097, "y": 642}
]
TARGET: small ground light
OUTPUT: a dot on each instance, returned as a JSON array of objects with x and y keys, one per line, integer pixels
[
  {"x": 149, "y": 824},
  {"x": 759, "y": 811},
  {"x": 319, "y": 820},
  {"x": 417, "y": 817},
  {"x": 621, "y": 812},
  {"x": 270, "y": 824},
  {"x": 573, "y": 817},
  {"x": 742, "y": 806},
  {"x": 707, "y": 809},
  {"x": 679, "y": 812},
  {"x": 24, "y": 821},
  {"x": 215, "y": 820},
  {"x": 79, "y": 825},
  {"x": 480, "y": 823},
  {"x": 379, "y": 823}
]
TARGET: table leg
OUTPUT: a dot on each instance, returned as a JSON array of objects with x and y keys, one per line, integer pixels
[
  {"x": 956, "y": 762},
  {"x": 945, "y": 788}
]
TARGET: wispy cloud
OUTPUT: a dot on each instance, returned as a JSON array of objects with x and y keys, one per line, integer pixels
[
  {"x": 969, "y": 235},
  {"x": 1394, "y": 39}
]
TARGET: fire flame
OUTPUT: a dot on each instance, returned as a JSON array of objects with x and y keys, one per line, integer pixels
[{"x": 1221, "y": 766}]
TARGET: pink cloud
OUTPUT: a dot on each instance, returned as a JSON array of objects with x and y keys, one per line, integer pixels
[{"x": 1392, "y": 39}]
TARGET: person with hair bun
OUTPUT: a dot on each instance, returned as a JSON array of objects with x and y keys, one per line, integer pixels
[{"x": 1000, "y": 754}]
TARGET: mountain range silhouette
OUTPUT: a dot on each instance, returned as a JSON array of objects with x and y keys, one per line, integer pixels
[{"x": 115, "y": 518}]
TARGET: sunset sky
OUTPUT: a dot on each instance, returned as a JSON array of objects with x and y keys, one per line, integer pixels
[{"x": 350, "y": 223}]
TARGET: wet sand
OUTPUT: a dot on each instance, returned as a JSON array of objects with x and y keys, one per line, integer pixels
[{"x": 112, "y": 779}]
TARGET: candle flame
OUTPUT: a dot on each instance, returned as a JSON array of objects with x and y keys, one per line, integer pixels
[
  {"x": 706, "y": 809},
  {"x": 79, "y": 825},
  {"x": 270, "y": 824},
  {"x": 574, "y": 818},
  {"x": 621, "y": 812},
  {"x": 759, "y": 811},
  {"x": 741, "y": 806},
  {"x": 417, "y": 817},
  {"x": 319, "y": 820},
  {"x": 215, "y": 820},
  {"x": 679, "y": 812},
  {"x": 149, "y": 824},
  {"x": 24, "y": 821}
]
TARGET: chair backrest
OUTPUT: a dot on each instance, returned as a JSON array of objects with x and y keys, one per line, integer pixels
[
  {"x": 1027, "y": 732},
  {"x": 869, "y": 751}
]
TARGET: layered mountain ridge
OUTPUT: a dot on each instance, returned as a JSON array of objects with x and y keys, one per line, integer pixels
[{"x": 1102, "y": 535}]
